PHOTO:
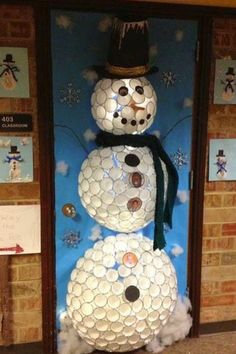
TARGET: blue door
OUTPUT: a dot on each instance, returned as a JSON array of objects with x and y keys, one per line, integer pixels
[{"x": 79, "y": 41}]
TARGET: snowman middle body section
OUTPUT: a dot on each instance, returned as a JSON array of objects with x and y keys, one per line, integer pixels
[{"x": 117, "y": 185}]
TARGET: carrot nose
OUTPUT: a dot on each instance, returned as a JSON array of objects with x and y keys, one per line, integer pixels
[{"x": 132, "y": 104}]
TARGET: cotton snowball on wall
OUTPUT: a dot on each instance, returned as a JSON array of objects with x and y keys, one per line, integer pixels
[
  {"x": 121, "y": 293},
  {"x": 126, "y": 106},
  {"x": 117, "y": 186}
]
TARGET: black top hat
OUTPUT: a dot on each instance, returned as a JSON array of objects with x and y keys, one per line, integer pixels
[
  {"x": 8, "y": 59},
  {"x": 230, "y": 71},
  {"x": 14, "y": 150},
  {"x": 220, "y": 153},
  {"x": 128, "y": 53}
]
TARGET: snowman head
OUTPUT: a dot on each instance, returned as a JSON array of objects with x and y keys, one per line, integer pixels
[{"x": 124, "y": 106}]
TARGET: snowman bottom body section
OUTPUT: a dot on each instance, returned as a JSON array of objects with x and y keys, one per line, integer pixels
[
  {"x": 117, "y": 186},
  {"x": 121, "y": 293}
]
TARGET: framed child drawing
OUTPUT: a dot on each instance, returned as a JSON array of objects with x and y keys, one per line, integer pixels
[
  {"x": 222, "y": 160},
  {"x": 14, "y": 72},
  {"x": 225, "y": 88}
]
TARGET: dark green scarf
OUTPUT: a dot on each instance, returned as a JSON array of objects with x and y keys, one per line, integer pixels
[{"x": 163, "y": 214}]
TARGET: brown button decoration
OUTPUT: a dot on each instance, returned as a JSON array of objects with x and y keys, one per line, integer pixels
[
  {"x": 69, "y": 210},
  {"x": 132, "y": 293},
  {"x": 136, "y": 179},
  {"x": 134, "y": 204},
  {"x": 130, "y": 259},
  {"x": 132, "y": 160}
]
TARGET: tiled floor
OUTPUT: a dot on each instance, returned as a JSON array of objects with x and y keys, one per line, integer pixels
[{"x": 223, "y": 343}]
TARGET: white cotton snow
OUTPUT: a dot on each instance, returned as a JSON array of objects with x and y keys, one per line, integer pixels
[
  {"x": 105, "y": 24},
  {"x": 89, "y": 135},
  {"x": 188, "y": 102},
  {"x": 153, "y": 51},
  {"x": 179, "y": 35},
  {"x": 182, "y": 196},
  {"x": 157, "y": 133},
  {"x": 96, "y": 233},
  {"x": 62, "y": 167},
  {"x": 177, "y": 327},
  {"x": 68, "y": 340},
  {"x": 64, "y": 22},
  {"x": 90, "y": 76},
  {"x": 176, "y": 250}
]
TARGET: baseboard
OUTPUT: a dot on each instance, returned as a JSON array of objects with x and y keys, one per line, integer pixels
[
  {"x": 216, "y": 327},
  {"x": 26, "y": 348}
]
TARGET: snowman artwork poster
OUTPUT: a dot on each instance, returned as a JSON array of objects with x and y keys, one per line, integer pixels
[
  {"x": 16, "y": 159},
  {"x": 225, "y": 84},
  {"x": 14, "y": 72},
  {"x": 222, "y": 160}
]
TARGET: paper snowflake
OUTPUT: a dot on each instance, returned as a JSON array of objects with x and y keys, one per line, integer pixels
[
  {"x": 169, "y": 78},
  {"x": 70, "y": 95},
  {"x": 179, "y": 158},
  {"x": 71, "y": 239}
]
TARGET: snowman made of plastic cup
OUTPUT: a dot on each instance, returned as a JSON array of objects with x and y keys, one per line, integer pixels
[
  {"x": 122, "y": 292},
  {"x": 117, "y": 185}
]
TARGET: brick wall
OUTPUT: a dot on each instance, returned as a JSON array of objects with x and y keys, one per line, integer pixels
[
  {"x": 218, "y": 302},
  {"x": 218, "y": 290},
  {"x": 24, "y": 318}
]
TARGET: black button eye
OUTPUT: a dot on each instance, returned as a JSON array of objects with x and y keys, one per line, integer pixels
[
  {"x": 115, "y": 115},
  {"x": 139, "y": 89},
  {"x": 123, "y": 91}
]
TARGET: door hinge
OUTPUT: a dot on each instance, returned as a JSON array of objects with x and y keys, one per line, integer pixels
[
  {"x": 191, "y": 178},
  {"x": 197, "y": 51}
]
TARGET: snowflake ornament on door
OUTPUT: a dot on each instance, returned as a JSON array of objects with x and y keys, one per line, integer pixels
[
  {"x": 70, "y": 95},
  {"x": 71, "y": 239},
  {"x": 179, "y": 158},
  {"x": 169, "y": 78}
]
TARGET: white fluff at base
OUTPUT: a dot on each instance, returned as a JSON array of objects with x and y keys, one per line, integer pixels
[
  {"x": 68, "y": 340},
  {"x": 177, "y": 327}
]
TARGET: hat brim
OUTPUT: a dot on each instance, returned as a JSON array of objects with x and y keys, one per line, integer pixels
[{"x": 103, "y": 72}]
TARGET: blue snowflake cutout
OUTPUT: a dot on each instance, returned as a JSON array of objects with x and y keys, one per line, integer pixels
[
  {"x": 70, "y": 95},
  {"x": 179, "y": 158},
  {"x": 169, "y": 78},
  {"x": 71, "y": 239}
]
